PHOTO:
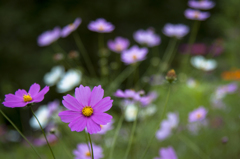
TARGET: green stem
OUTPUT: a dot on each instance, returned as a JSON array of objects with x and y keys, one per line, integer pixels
[
  {"x": 42, "y": 131},
  {"x": 157, "y": 127},
  {"x": 101, "y": 53},
  {"x": 91, "y": 145},
  {"x": 116, "y": 135},
  {"x": 19, "y": 132},
  {"x": 86, "y": 136},
  {"x": 84, "y": 54},
  {"x": 169, "y": 53}
]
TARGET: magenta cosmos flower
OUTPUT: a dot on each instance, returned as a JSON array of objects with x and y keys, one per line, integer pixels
[
  {"x": 178, "y": 30},
  {"x": 134, "y": 54},
  {"x": 87, "y": 109},
  {"x": 71, "y": 27},
  {"x": 49, "y": 36},
  {"x": 149, "y": 98},
  {"x": 128, "y": 94},
  {"x": 106, "y": 128},
  {"x": 22, "y": 98},
  {"x": 203, "y": 4},
  {"x": 118, "y": 45},
  {"x": 147, "y": 37},
  {"x": 197, "y": 115},
  {"x": 83, "y": 152},
  {"x": 196, "y": 14},
  {"x": 101, "y": 26},
  {"x": 167, "y": 153}
]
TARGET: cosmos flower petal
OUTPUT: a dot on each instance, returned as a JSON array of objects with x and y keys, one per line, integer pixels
[
  {"x": 20, "y": 92},
  {"x": 13, "y": 98},
  {"x": 78, "y": 124},
  {"x": 96, "y": 95},
  {"x": 34, "y": 89},
  {"x": 101, "y": 118},
  {"x": 103, "y": 105},
  {"x": 71, "y": 103},
  {"x": 68, "y": 116},
  {"x": 14, "y": 104},
  {"x": 83, "y": 95},
  {"x": 92, "y": 127},
  {"x": 40, "y": 96}
]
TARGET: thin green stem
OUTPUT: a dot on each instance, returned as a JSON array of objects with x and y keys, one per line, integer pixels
[
  {"x": 84, "y": 54},
  {"x": 91, "y": 145},
  {"x": 86, "y": 137},
  {"x": 157, "y": 127},
  {"x": 120, "y": 121},
  {"x": 42, "y": 131},
  {"x": 101, "y": 52},
  {"x": 19, "y": 132},
  {"x": 172, "y": 45}
]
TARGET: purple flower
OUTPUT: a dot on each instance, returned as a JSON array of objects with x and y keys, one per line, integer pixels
[
  {"x": 167, "y": 153},
  {"x": 196, "y": 14},
  {"x": 197, "y": 115},
  {"x": 86, "y": 109},
  {"x": 101, "y": 26},
  {"x": 134, "y": 54},
  {"x": 128, "y": 93},
  {"x": 105, "y": 128},
  {"x": 41, "y": 141},
  {"x": 83, "y": 152},
  {"x": 71, "y": 27},
  {"x": 49, "y": 37},
  {"x": 178, "y": 30},
  {"x": 147, "y": 37},
  {"x": 120, "y": 44},
  {"x": 149, "y": 98},
  {"x": 22, "y": 98},
  {"x": 203, "y": 4}
]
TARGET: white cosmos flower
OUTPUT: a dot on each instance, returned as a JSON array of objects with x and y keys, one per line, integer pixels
[
  {"x": 43, "y": 117},
  {"x": 148, "y": 111},
  {"x": 131, "y": 113},
  {"x": 53, "y": 76},
  {"x": 201, "y": 63},
  {"x": 70, "y": 80},
  {"x": 173, "y": 120}
]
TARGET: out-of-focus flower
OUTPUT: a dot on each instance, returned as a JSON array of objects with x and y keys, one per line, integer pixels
[
  {"x": 231, "y": 75},
  {"x": 223, "y": 90},
  {"x": 105, "y": 128},
  {"x": 118, "y": 45},
  {"x": 73, "y": 54},
  {"x": 178, "y": 30},
  {"x": 196, "y": 49},
  {"x": 201, "y": 63},
  {"x": 70, "y": 80},
  {"x": 58, "y": 57},
  {"x": 167, "y": 153},
  {"x": 203, "y": 4},
  {"x": 13, "y": 136},
  {"x": 147, "y": 37},
  {"x": 128, "y": 94},
  {"x": 71, "y": 27},
  {"x": 49, "y": 37},
  {"x": 53, "y": 76},
  {"x": 149, "y": 98},
  {"x": 197, "y": 115},
  {"x": 131, "y": 112},
  {"x": 224, "y": 139},
  {"x": 42, "y": 141},
  {"x": 217, "y": 47},
  {"x": 196, "y": 126},
  {"x": 155, "y": 80},
  {"x": 191, "y": 83},
  {"x": 148, "y": 111},
  {"x": 22, "y": 98},
  {"x": 196, "y": 14},
  {"x": 171, "y": 76},
  {"x": 83, "y": 152},
  {"x": 134, "y": 54},
  {"x": 80, "y": 114},
  {"x": 3, "y": 130},
  {"x": 101, "y": 26}
]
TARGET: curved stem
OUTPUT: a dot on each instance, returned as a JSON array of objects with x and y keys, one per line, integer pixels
[
  {"x": 157, "y": 127},
  {"x": 19, "y": 132},
  {"x": 42, "y": 131},
  {"x": 91, "y": 145}
]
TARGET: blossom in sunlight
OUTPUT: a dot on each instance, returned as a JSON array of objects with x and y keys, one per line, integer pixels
[
  {"x": 86, "y": 109},
  {"x": 54, "y": 75},
  {"x": 106, "y": 128},
  {"x": 128, "y": 94},
  {"x": 149, "y": 98},
  {"x": 71, "y": 27},
  {"x": 147, "y": 37},
  {"x": 71, "y": 79},
  {"x": 203, "y": 4},
  {"x": 197, "y": 115},
  {"x": 167, "y": 153},
  {"x": 101, "y": 26},
  {"x": 201, "y": 63},
  {"x": 231, "y": 75},
  {"x": 83, "y": 151},
  {"x": 134, "y": 54},
  {"x": 22, "y": 98},
  {"x": 42, "y": 141},
  {"x": 131, "y": 112},
  {"x": 196, "y": 14},
  {"x": 178, "y": 30},
  {"x": 49, "y": 37},
  {"x": 118, "y": 45}
]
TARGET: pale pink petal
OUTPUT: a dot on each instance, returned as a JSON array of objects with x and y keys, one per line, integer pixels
[
  {"x": 92, "y": 127},
  {"x": 69, "y": 115},
  {"x": 71, "y": 103},
  {"x": 101, "y": 118},
  {"x": 83, "y": 95},
  {"x": 78, "y": 124},
  {"x": 40, "y": 96},
  {"x": 34, "y": 89},
  {"x": 20, "y": 93},
  {"x": 96, "y": 95},
  {"x": 103, "y": 105}
]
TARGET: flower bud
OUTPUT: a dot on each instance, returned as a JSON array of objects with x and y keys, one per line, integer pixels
[{"x": 171, "y": 76}]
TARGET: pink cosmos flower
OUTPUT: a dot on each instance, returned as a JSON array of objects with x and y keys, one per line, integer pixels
[
  {"x": 105, "y": 128},
  {"x": 71, "y": 27},
  {"x": 197, "y": 115},
  {"x": 83, "y": 152},
  {"x": 203, "y": 4},
  {"x": 134, "y": 54},
  {"x": 149, "y": 98},
  {"x": 196, "y": 14},
  {"x": 22, "y": 98},
  {"x": 118, "y": 45},
  {"x": 101, "y": 26},
  {"x": 147, "y": 37},
  {"x": 167, "y": 153},
  {"x": 87, "y": 109},
  {"x": 128, "y": 93},
  {"x": 49, "y": 37},
  {"x": 178, "y": 30}
]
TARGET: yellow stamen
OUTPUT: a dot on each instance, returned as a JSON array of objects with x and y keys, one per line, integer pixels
[
  {"x": 134, "y": 57},
  {"x": 72, "y": 26},
  {"x": 88, "y": 154},
  {"x": 27, "y": 98},
  {"x": 87, "y": 111},
  {"x": 196, "y": 14},
  {"x": 118, "y": 47},
  {"x": 101, "y": 28},
  {"x": 199, "y": 115},
  {"x": 101, "y": 126}
]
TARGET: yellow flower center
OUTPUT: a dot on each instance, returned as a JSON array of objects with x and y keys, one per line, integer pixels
[
  {"x": 118, "y": 47},
  {"x": 101, "y": 28},
  {"x": 72, "y": 26},
  {"x": 88, "y": 154},
  {"x": 196, "y": 14},
  {"x": 101, "y": 126},
  {"x": 199, "y": 115},
  {"x": 87, "y": 111},
  {"x": 134, "y": 57},
  {"x": 27, "y": 98}
]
